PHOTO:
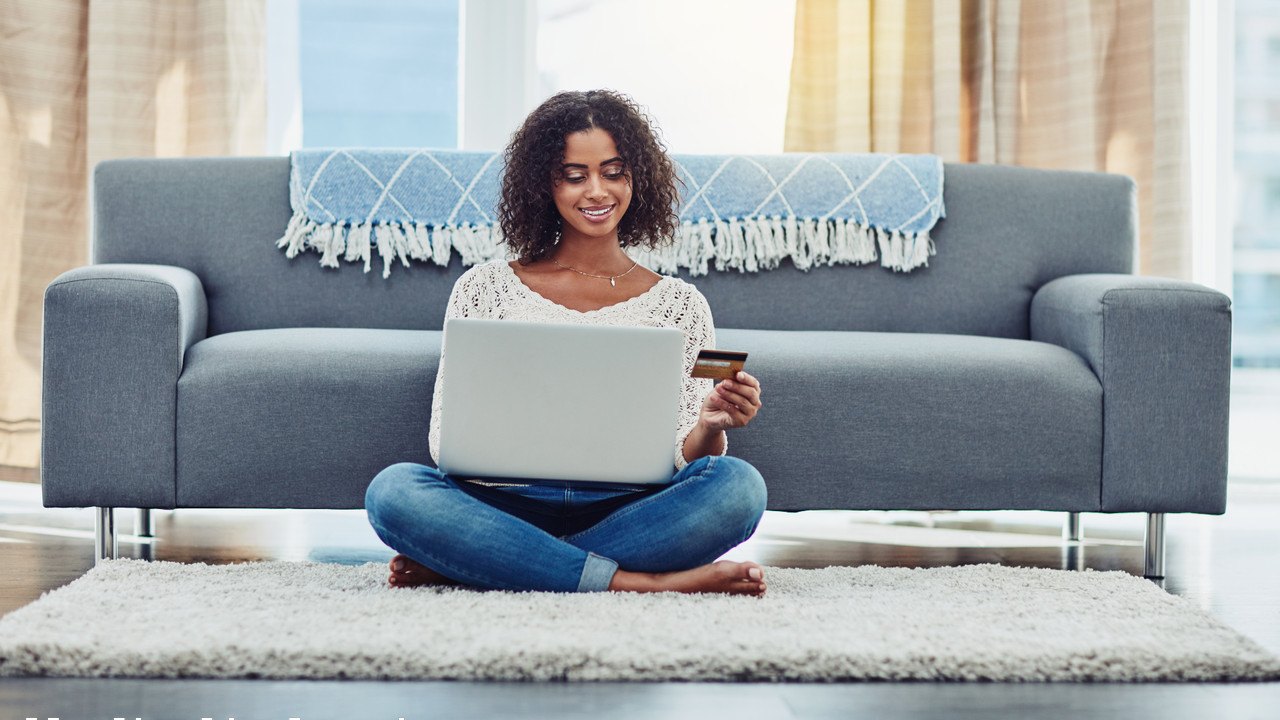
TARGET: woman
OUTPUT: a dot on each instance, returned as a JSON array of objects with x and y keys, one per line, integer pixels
[{"x": 585, "y": 178}]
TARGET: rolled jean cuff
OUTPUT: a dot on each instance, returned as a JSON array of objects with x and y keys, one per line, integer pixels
[{"x": 597, "y": 573}]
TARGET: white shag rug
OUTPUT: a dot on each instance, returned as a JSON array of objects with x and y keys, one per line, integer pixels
[{"x": 308, "y": 620}]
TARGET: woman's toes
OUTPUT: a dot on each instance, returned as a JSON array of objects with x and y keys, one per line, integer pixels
[
  {"x": 746, "y": 571},
  {"x": 407, "y": 572},
  {"x": 402, "y": 572},
  {"x": 754, "y": 580}
]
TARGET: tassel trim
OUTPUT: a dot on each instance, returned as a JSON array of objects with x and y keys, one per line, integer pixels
[
  {"x": 393, "y": 242},
  {"x": 754, "y": 244},
  {"x": 746, "y": 245}
]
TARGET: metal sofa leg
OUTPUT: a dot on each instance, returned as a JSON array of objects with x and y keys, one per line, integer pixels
[
  {"x": 1072, "y": 531},
  {"x": 142, "y": 523},
  {"x": 105, "y": 545},
  {"x": 1072, "y": 549},
  {"x": 1153, "y": 564}
]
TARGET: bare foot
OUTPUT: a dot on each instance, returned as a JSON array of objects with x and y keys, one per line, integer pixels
[
  {"x": 407, "y": 572},
  {"x": 734, "y": 578}
]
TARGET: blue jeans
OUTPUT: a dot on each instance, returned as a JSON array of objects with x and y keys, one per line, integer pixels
[{"x": 564, "y": 536}]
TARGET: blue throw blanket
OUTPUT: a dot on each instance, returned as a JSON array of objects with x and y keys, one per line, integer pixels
[{"x": 742, "y": 212}]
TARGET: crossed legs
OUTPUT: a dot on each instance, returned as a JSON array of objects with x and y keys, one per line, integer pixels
[{"x": 662, "y": 541}]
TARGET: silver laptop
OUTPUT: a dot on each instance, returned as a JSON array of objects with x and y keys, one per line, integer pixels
[{"x": 546, "y": 401}]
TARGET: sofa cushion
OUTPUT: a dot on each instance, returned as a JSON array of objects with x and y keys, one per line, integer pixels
[
  {"x": 920, "y": 421},
  {"x": 220, "y": 217},
  {"x": 269, "y": 418},
  {"x": 301, "y": 417},
  {"x": 1008, "y": 231}
]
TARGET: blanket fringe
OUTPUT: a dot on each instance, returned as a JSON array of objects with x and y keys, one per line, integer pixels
[
  {"x": 745, "y": 245},
  {"x": 754, "y": 244},
  {"x": 356, "y": 243}
]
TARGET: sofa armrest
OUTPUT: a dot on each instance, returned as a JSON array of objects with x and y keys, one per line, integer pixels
[
  {"x": 114, "y": 341},
  {"x": 1162, "y": 350}
]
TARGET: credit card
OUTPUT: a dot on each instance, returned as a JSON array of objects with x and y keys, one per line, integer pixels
[{"x": 718, "y": 364}]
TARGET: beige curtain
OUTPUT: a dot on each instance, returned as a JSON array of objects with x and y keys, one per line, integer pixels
[
  {"x": 1067, "y": 84},
  {"x": 86, "y": 80}
]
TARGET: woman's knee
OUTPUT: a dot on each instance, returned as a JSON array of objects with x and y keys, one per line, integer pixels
[
  {"x": 744, "y": 485},
  {"x": 391, "y": 488}
]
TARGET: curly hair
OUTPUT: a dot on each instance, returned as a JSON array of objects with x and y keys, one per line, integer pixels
[{"x": 527, "y": 211}]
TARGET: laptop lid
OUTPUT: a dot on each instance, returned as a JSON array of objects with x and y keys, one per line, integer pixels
[{"x": 549, "y": 401}]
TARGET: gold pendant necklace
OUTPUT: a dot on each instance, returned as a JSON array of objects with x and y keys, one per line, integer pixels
[{"x": 610, "y": 278}]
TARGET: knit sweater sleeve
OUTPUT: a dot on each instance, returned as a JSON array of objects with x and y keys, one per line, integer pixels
[
  {"x": 469, "y": 299},
  {"x": 700, "y": 334}
]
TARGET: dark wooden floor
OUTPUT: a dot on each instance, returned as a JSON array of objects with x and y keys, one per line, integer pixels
[{"x": 1229, "y": 565}]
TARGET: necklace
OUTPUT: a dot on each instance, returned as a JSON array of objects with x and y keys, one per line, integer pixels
[{"x": 610, "y": 278}]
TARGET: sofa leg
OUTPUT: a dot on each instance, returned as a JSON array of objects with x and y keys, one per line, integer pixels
[
  {"x": 1072, "y": 531},
  {"x": 105, "y": 545},
  {"x": 1153, "y": 563},
  {"x": 1073, "y": 557},
  {"x": 142, "y": 523}
]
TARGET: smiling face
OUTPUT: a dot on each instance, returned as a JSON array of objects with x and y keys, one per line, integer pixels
[{"x": 594, "y": 189}]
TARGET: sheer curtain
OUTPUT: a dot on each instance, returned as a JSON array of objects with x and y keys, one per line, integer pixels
[
  {"x": 1066, "y": 84},
  {"x": 86, "y": 80}
]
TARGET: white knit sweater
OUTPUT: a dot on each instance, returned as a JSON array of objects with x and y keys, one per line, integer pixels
[{"x": 493, "y": 291}]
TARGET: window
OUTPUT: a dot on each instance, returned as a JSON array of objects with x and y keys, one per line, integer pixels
[
  {"x": 1256, "y": 328},
  {"x": 1271, "y": 201},
  {"x": 379, "y": 73},
  {"x": 714, "y": 74}
]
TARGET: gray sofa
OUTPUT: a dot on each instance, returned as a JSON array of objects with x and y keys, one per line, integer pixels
[{"x": 193, "y": 365}]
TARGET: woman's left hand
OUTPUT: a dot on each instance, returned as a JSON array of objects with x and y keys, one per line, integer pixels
[{"x": 731, "y": 403}]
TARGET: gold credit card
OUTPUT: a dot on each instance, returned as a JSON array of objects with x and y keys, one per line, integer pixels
[{"x": 718, "y": 364}]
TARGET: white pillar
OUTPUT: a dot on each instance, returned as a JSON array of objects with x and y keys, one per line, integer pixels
[
  {"x": 1225, "y": 222},
  {"x": 284, "y": 78},
  {"x": 1211, "y": 106},
  {"x": 497, "y": 70}
]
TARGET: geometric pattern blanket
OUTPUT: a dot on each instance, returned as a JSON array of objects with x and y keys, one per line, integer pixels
[{"x": 739, "y": 212}]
